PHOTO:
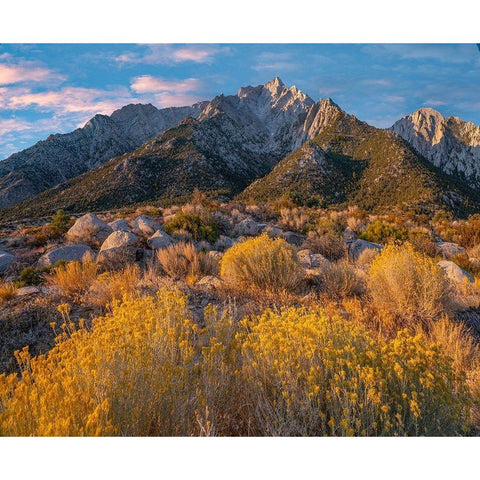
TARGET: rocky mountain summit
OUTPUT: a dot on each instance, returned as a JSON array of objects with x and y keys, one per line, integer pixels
[
  {"x": 266, "y": 141},
  {"x": 449, "y": 143},
  {"x": 63, "y": 156}
]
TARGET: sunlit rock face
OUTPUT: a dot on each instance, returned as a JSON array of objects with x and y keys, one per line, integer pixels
[{"x": 449, "y": 143}]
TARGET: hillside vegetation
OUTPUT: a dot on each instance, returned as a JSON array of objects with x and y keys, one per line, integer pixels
[{"x": 212, "y": 318}]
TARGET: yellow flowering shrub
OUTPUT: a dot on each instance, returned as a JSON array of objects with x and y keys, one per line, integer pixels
[
  {"x": 314, "y": 375},
  {"x": 148, "y": 369},
  {"x": 262, "y": 263},
  {"x": 408, "y": 286},
  {"x": 128, "y": 375}
]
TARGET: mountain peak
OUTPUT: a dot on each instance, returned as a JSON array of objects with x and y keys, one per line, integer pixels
[{"x": 274, "y": 84}]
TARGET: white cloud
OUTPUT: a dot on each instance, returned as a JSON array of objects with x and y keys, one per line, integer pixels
[{"x": 149, "y": 84}]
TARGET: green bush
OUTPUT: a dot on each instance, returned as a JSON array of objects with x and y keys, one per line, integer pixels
[
  {"x": 60, "y": 222},
  {"x": 31, "y": 276},
  {"x": 379, "y": 232},
  {"x": 199, "y": 228}
]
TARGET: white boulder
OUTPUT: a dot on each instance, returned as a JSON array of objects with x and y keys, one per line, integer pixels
[
  {"x": 454, "y": 272},
  {"x": 89, "y": 229},
  {"x": 160, "y": 239},
  {"x": 449, "y": 249},
  {"x": 120, "y": 239},
  {"x": 145, "y": 225},
  {"x": 120, "y": 225},
  {"x": 68, "y": 253}
]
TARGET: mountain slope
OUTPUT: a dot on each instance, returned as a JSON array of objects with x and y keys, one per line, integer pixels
[
  {"x": 352, "y": 162},
  {"x": 64, "y": 156},
  {"x": 235, "y": 139},
  {"x": 449, "y": 143}
]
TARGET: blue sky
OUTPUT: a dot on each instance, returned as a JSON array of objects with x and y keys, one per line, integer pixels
[{"x": 55, "y": 88}]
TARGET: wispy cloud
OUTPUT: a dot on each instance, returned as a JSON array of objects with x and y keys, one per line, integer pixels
[
  {"x": 168, "y": 93},
  {"x": 171, "y": 54},
  {"x": 150, "y": 84},
  {"x": 379, "y": 82},
  {"x": 448, "y": 53},
  {"x": 25, "y": 72},
  {"x": 66, "y": 100},
  {"x": 275, "y": 61}
]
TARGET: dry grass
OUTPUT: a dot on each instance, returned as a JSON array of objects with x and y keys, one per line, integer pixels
[
  {"x": 408, "y": 288},
  {"x": 113, "y": 286},
  {"x": 293, "y": 219},
  {"x": 329, "y": 245},
  {"x": 7, "y": 292},
  {"x": 340, "y": 280},
  {"x": 262, "y": 263},
  {"x": 74, "y": 278},
  {"x": 366, "y": 258},
  {"x": 457, "y": 343},
  {"x": 183, "y": 262}
]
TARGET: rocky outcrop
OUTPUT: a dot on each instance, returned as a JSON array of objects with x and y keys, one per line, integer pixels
[
  {"x": 89, "y": 229},
  {"x": 69, "y": 253},
  {"x": 449, "y": 249},
  {"x": 6, "y": 260},
  {"x": 120, "y": 225},
  {"x": 120, "y": 239},
  {"x": 356, "y": 248},
  {"x": 455, "y": 273},
  {"x": 248, "y": 227},
  {"x": 310, "y": 260},
  {"x": 146, "y": 226},
  {"x": 449, "y": 143},
  {"x": 159, "y": 240}
]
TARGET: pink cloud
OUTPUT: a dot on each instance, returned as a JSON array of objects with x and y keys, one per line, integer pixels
[
  {"x": 69, "y": 100},
  {"x": 25, "y": 72},
  {"x": 149, "y": 84},
  {"x": 168, "y": 54}
]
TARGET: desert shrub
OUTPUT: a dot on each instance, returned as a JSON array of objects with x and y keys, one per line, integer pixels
[
  {"x": 128, "y": 375},
  {"x": 365, "y": 259},
  {"x": 380, "y": 232},
  {"x": 340, "y": 280},
  {"x": 113, "y": 286},
  {"x": 74, "y": 278},
  {"x": 32, "y": 275},
  {"x": 330, "y": 226},
  {"x": 422, "y": 242},
  {"x": 199, "y": 228},
  {"x": 467, "y": 233},
  {"x": 7, "y": 292},
  {"x": 40, "y": 236},
  {"x": 329, "y": 245},
  {"x": 311, "y": 374},
  {"x": 60, "y": 222},
  {"x": 183, "y": 261},
  {"x": 457, "y": 343},
  {"x": 147, "y": 369},
  {"x": 408, "y": 286},
  {"x": 261, "y": 263},
  {"x": 293, "y": 219}
]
